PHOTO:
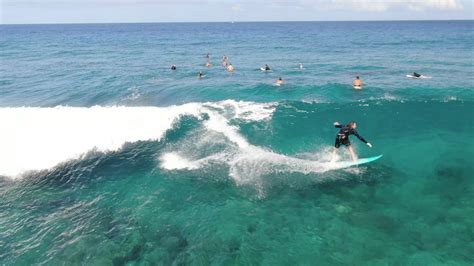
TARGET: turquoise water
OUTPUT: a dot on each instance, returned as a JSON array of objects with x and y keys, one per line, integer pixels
[{"x": 109, "y": 157}]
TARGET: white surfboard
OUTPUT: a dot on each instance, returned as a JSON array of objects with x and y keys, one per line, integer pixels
[
  {"x": 420, "y": 77},
  {"x": 264, "y": 70}
]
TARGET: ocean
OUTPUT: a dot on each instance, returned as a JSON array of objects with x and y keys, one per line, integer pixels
[{"x": 109, "y": 157}]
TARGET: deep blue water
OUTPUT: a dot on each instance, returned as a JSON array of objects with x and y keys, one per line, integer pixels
[{"x": 109, "y": 157}]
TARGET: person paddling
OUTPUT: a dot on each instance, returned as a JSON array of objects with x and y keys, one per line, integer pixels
[{"x": 343, "y": 138}]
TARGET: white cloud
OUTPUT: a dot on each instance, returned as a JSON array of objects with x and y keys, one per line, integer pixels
[
  {"x": 236, "y": 5},
  {"x": 236, "y": 8},
  {"x": 384, "y": 5},
  {"x": 364, "y": 5}
]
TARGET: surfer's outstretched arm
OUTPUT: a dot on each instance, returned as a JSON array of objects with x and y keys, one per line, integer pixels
[
  {"x": 336, "y": 124},
  {"x": 361, "y": 138}
]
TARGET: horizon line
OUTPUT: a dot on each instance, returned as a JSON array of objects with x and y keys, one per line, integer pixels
[{"x": 231, "y": 22}]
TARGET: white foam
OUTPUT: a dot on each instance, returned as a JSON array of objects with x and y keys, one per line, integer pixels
[
  {"x": 34, "y": 138},
  {"x": 249, "y": 111},
  {"x": 40, "y": 138},
  {"x": 173, "y": 161},
  {"x": 450, "y": 99},
  {"x": 135, "y": 93},
  {"x": 219, "y": 124},
  {"x": 247, "y": 163},
  {"x": 254, "y": 162}
]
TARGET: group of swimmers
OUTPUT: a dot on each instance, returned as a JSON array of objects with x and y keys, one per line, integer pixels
[
  {"x": 230, "y": 68},
  {"x": 357, "y": 84}
]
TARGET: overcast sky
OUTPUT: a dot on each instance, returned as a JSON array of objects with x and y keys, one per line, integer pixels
[{"x": 105, "y": 11}]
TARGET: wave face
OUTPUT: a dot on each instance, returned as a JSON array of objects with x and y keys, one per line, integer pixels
[{"x": 108, "y": 157}]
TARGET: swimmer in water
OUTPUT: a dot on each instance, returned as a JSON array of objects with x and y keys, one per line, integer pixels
[
  {"x": 280, "y": 81},
  {"x": 230, "y": 68},
  {"x": 173, "y": 67},
  {"x": 225, "y": 60},
  {"x": 200, "y": 74},
  {"x": 357, "y": 83},
  {"x": 208, "y": 63},
  {"x": 343, "y": 138}
]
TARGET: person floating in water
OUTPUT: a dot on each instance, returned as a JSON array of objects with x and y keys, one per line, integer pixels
[
  {"x": 357, "y": 83},
  {"x": 225, "y": 61},
  {"x": 280, "y": 81},
  {"x": 230, "y": 68},
  {"x": 416, "y": 75},
  {"x": 200, "y": 74},
  {"x": 173, "y": 67},
  {"x": 208, "y": 63},
  {"x": 343, "y": 138},
  {"x": 267, "y": 68}
]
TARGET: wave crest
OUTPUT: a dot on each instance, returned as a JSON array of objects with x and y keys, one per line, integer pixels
[{"x": 36, "y": 138}]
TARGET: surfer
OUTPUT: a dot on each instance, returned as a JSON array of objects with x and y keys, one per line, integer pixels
[
  {"x": 173, "y": 67},
  {"x": 267, "y": 68},
  {"x": 200, "y": 74},
  {"x": 416, "y": 75},
  {"x": 357, "y": 83},
  {"x": 280, "y": 81},
  {"x": 343, "y": 138},
  {"x": 230, "y": 68}
]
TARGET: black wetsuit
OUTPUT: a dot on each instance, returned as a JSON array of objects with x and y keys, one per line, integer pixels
[{"x": 343, "y": 136}]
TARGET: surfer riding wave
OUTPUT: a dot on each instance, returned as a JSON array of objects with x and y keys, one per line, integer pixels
[{"x": 343, "y": 138}]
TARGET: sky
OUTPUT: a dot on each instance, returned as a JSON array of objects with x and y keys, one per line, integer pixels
[{"x": 114, "y": 11}]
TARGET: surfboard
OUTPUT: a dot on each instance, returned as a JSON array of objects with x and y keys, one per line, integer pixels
[
  {"x": 264, "y": 70},
  {"x": 346, "y": 164},
  {"x": 357, "y": 87},
  {"x": 420, "y": 77}
]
